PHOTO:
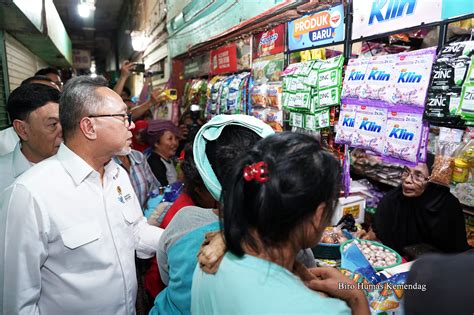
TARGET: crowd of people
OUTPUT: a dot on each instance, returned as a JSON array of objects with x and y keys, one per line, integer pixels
[{"x": 80, "y": 162}]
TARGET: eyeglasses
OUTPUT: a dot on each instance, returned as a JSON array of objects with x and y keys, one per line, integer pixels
[
  {"x": 126, "y": 117},
  {"x": 417, "y": 177}
]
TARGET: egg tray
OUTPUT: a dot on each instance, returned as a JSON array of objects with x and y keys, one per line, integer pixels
[{"x": 399, "y": 258}]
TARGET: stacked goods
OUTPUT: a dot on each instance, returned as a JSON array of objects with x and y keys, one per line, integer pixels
[
  {"x": 310, "y": 90},
  {"x": 383, "y": 99},
  {"x": 450, "y": 78},
  {"x": 227, "y": 94}
]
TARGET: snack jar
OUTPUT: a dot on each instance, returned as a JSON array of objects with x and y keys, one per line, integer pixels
[{"x": 460, "y": 170}]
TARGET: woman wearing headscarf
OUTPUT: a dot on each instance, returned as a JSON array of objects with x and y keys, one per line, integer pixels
[
  {"x": 419, "y": 212},
  {"x": 163, "y": 138}
]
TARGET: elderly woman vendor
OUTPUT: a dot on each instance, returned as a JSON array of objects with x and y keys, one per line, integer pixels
[
  {"x": 163, "y": 137},
  {"x": 419, "y": 212}
]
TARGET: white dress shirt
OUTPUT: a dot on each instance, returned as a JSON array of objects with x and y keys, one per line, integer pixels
[
  {"x": 12, "y": 165},
  {"x": 68, "y": 240},
  {"x": 8, "y": 140}
]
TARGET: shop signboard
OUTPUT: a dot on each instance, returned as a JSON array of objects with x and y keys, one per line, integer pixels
[
  {"x": 321, "y": 28},
  {"x": 372, "y": 17},
  {"x": 197, "y": 66},
  {"x": 224, "y": 59},
  {"x": 81, "y": 59},
  {"x": 268, "y": 43},
  {"x": 456, "y": 8}
]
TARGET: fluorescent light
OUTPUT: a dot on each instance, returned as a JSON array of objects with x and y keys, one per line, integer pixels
[
  {"x": 85, "y": 7},
  {"x": 139, "y": 40},
  {"x": 83, "y": 10},
  {"x": 93, "y": 75}
]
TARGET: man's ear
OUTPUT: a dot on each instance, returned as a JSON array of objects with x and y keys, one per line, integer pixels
[
  {"x": 88, "y": 128},
  {"x": 21, "y": 128}
]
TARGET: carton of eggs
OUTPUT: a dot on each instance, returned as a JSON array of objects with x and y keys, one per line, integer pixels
[{"x": 378, "y": 255}]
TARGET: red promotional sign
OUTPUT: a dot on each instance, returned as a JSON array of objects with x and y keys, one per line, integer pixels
[
  {"x": 224, "y": 59},
  {"x": 270, "y": 42}
]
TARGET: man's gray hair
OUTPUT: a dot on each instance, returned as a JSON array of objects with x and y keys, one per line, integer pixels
[{"x": 78, "y": 100}]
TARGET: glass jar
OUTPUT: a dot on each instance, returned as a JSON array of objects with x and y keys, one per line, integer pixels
[{"x": 460, "y": 171}]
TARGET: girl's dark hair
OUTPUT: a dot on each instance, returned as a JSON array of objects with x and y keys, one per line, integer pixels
[
  {"x": 224, "y": 152},
  {"x": 302, "y": 175},
  {"x": 192, "y": 179}
]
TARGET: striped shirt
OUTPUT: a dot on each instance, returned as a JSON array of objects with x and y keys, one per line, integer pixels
[{"x": 141, "y": 176}]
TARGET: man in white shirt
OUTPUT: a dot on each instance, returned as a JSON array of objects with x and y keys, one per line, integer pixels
[
  {"x": 34, "y": 110},
  {"x": 71, "y": 225},
  {"x": 8, "y": 136}
]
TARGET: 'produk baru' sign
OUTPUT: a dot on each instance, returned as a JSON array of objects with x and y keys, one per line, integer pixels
[{"x": 318, "y": 29}]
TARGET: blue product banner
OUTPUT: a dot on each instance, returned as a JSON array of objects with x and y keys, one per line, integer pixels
[{"x": 317, "y": 29}]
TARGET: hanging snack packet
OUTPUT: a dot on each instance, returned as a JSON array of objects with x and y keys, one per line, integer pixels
[
  {"x": 258, "y": 95},
  {"x": 354, "y": 79},
  {"x": 448, "y": 142},
  {"x": 403, "y": 135},
  {"x": 274, "y": 91},
  {"x": 380, "y": 74},
  {"x": 370, "y": 124},
  {"x": 412, "y": 76},
  {"x": 297, "y": 120},
  {"x": 329, "y": 97},
  {"x": 345, "y": 126},
  {"x": 260, "y": 113},
  {"x": 275, "y": 119}
]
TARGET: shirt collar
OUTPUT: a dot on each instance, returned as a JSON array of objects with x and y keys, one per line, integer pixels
[
  {"x": 77, "y": 168},
  {"x": 20, "y": 162},
  {"x": 136, "y": 157}
]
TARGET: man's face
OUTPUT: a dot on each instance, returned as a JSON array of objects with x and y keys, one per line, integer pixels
[
  {"x": 43, "y": 133},
  {"x": 113, "y": 131},
  {"x": 56, "y": 79}
]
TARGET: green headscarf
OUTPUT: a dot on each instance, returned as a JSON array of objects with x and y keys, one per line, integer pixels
[{"x": 211, "y": 131}]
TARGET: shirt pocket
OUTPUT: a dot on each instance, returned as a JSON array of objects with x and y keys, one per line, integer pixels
[
  {"x": 81, "y": 234},
  {"x": 131, "y": 213}
]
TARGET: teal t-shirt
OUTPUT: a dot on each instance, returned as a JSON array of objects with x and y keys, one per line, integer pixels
[{"x": 250, "y": 285}]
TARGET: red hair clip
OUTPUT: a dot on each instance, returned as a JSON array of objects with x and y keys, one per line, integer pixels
[
  {"x": 256, "y": 171},
  {"x": 181, "y": 156}
]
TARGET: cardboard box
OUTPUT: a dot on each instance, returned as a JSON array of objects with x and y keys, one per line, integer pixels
[{"x": 354, "y": 204}]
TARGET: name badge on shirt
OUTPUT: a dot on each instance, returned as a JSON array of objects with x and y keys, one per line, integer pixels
[{"x": 121, "y": 197}]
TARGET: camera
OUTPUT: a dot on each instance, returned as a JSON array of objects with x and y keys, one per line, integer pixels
[{"x": 138, "y": 67}]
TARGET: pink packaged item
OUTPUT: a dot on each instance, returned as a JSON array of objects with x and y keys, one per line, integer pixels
[
  {"x": 345, "y": 125},
  {"x": 353, "y": 85},
  {"x": 370, "y": 124},
  {"x": 380, "y": 75},
  {"x": 425, "y": 133},
  {"x": 412, "y": 77},
  {"x": 403, "y": 135}
]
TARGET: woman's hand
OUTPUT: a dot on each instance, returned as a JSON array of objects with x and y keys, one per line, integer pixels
[
  {"x": 335, "y": 284},
  {"x": 364, "y": 235},
  {"x": 211, "y": 253}
]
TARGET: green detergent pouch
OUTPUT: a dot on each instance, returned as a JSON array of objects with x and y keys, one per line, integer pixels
[
  {"x": 300, "y": 101},
  {"x": 329, "y": 78},
  {"x": 470, "y": 72},
  {"x": 304, "y": 69},
  {"x": 330, "y": 96},
  {"x": 297, "y": 119},
  {"x": 467, "y": 102},
  {"x": 318, "y": 120}
]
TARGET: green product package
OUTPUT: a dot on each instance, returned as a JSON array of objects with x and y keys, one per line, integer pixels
[
  {"x": 467, "y": 101},
  {"x": 318, "y": 120},
  {"x": 329, "y": 78},
  {"x": 312, "y": 79},
  {"x": 330, "y": 96},
  {"x": 470, "y": 72},
  {"x": 335, "y": 62},
  {"x": 304, "y": 68},
  {"x": 300, "y": 101},
  {"x": 296, "y": 119}
]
